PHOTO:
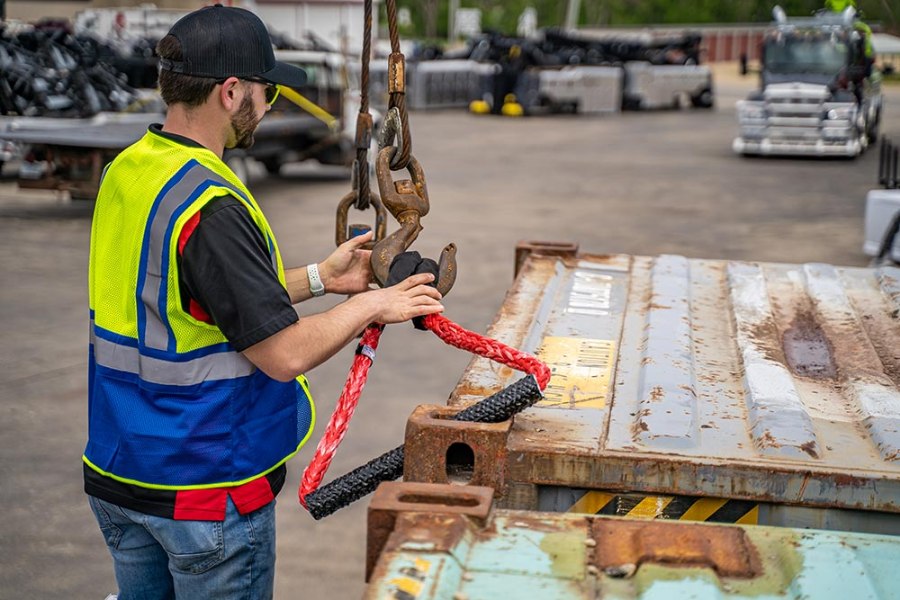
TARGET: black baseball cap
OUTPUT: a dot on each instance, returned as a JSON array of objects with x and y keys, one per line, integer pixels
[{"x": 224, "y": 41}]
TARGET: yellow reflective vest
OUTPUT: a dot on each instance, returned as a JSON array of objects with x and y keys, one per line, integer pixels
[{"x": 172, "y": 405}]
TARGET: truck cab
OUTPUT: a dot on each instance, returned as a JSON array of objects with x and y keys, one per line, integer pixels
[{"x": 818, "y": 96}]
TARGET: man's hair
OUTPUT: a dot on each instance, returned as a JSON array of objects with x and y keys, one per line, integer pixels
[{"x": 178, "y": 88}]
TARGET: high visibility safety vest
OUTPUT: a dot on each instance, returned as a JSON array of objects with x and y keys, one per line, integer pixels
[{"x": 171, "y": 404}]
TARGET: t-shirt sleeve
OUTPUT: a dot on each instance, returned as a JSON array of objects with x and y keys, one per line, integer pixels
[{"x": 227, "y": 269}]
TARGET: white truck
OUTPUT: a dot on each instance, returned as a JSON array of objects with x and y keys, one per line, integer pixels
[{"x": 819, "y": 95}]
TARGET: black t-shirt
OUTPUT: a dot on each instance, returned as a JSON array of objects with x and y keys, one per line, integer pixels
[{"x": 225, "y": 267}]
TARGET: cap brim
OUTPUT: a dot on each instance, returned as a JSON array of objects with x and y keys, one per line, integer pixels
[{"x": 285, "y": 74}]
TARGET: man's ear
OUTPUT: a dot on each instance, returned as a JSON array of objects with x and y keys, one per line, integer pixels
[{"x": 230, "y": 93}]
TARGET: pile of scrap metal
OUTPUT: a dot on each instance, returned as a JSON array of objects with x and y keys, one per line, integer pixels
[
  {"x": 559, "y": 48},
  {"x": 46, "y": 70},
  {"x": 558, "y": 72}
]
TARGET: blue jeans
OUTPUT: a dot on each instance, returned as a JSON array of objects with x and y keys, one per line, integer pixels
[{"x": 156, "y": 558}]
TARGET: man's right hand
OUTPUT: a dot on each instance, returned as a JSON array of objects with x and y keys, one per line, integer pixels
[
  {"x": 410, "y": 298},
  {"x": 315, "y": 338}
]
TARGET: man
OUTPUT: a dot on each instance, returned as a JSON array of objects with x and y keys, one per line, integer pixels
[
  {"x": 839, "y": 6},
  {"x": 197, "y": 397}
]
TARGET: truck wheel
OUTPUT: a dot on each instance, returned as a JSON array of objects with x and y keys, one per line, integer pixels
[
  {"x": 631, "y": 103},
  {"x": 703, "y": 100},
  {"x": 872, "y": 132}
]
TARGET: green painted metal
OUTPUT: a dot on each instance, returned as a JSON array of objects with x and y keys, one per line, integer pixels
[{"x": 545, "y": 556}]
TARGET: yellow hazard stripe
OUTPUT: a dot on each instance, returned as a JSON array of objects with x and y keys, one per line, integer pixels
[
  {"x": 592, "y": 502},
  {"x": 703, "y": 509},
  {"x": 684, "y": 508},
  {"x": 751, "y": 518}
]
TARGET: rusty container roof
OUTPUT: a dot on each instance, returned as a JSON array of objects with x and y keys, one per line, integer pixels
[{"x": 770, "y": 382}]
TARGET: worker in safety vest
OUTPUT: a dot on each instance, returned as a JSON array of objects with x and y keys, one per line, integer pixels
[
  {"x": 196, "y": 392},
  {"x": 839, "y": 6}
]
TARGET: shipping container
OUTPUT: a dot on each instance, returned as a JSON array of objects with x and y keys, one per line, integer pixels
[
  {"x": 446, "y": 542},
  {"x": 687, "y": 389}
]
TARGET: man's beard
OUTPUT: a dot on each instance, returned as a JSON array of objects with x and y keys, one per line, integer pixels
[{"x": 243, "y": 124}]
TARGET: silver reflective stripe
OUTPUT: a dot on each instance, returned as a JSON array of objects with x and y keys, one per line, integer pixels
[
  {"x": 155, "y": 332},
  {"x": 212, "y": 367}
]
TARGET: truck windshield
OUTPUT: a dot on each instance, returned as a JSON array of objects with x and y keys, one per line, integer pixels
[{"x": 821, "y": 56}]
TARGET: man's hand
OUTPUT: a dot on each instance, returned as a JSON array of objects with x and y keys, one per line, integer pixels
[
  {"x": 314, "y": 339},
  {"x": 410, "y": 298},
  {"x": 347, "y": 270}
]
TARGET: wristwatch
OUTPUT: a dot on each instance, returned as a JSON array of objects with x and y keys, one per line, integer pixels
[{"x": 315, "y": 282}]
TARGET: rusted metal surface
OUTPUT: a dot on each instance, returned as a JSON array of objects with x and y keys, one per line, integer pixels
[
  {"x": 437, "y": 549},
  {"x": 392, "y": 500},
  {"x": 773, "y": 383},
  {"x": 342, "y": 228},
  {"x": 475, "y": 452},
  {"x": 725, "y": 550},
  {"x": 407, "y": 200},
  {"x": 526, "y": 248}
]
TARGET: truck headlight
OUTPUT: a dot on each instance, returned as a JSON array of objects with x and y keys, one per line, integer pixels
[{"x": 844, "y": 113}]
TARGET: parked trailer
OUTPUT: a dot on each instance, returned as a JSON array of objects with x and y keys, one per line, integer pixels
[
  {"x": 433, "y": 542},
  {"x": 687, "y": 389}
]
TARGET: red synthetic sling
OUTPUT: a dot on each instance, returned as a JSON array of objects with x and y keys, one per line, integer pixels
[{"x": 449, "y": 332}]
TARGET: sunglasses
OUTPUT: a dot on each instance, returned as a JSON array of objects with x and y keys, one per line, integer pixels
[{"x": 271, "y": 91}]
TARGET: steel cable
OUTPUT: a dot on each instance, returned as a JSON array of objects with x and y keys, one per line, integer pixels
[
  {"x": 398, "y": 99},
  {"x": 365, "y": 119}
]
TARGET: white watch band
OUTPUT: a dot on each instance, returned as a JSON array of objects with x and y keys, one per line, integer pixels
[{"x": 315, "y": 281}]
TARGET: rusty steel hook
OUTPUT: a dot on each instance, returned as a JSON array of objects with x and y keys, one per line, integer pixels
[
  {"x": 407, "y": 200},
  {"x": 341, "y": 228}
]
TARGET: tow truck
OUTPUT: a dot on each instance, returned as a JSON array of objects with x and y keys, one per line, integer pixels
[{"x": 818, "y": 96}]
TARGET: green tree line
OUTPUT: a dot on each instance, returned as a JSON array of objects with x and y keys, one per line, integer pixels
[{"x": 429, "y": 17}]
